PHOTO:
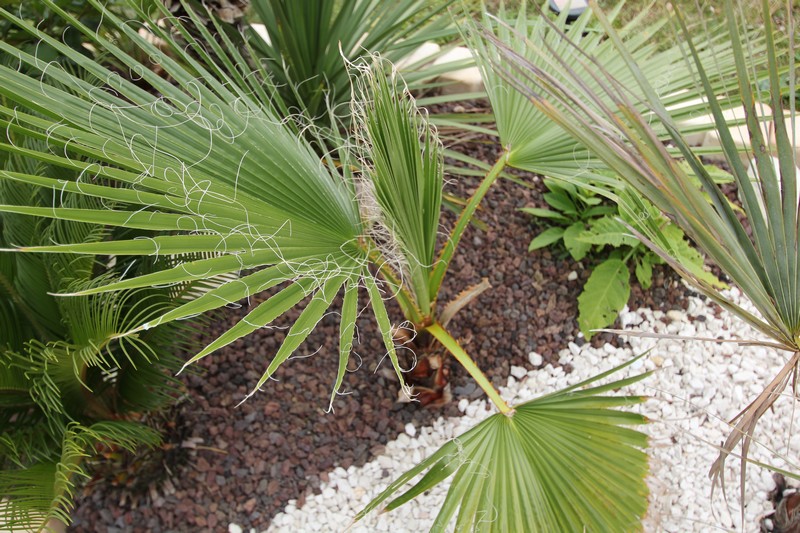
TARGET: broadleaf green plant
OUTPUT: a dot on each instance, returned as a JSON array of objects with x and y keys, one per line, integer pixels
[
  {"x": 571, "y": 210},
  {"x": 761, "y": 253},
  {"x": 208, "y": 161},
  {"x": 589, "y": 227}
]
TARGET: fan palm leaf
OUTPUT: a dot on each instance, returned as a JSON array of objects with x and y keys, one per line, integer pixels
[
  {"x": 64, "y": 366},
  {"x": 536, "y": 143},
  {"x": 562, "y": 462}
]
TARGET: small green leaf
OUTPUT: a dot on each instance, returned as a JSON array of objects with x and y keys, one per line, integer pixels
[
  {"x": 546, "y": 238},
  {"x": 688, "y": 256},
  {"x": 591, "y": 200},
  {"x": 544, "y": 213},
  {"x": 644, "y": 271},
  {"x": 576, "y": 247},
  {"x": 608, "y": 231},
  {"x": 605, "y": 294},
  {"x": 561, "y": 201},
  {"x": 599, "y": 211}
]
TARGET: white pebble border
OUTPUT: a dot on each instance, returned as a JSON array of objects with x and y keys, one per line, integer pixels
[{"x": 696, "y": 388}]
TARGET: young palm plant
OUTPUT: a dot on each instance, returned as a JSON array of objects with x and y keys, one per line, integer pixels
[
  {"x": 757, "y": 245},
  {"x": 208, "y": 161},
  {"x": 68, "y": 380}
]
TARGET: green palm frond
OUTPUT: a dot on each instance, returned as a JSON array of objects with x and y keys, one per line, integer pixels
[
  {"x": 311, "y": 42},
  {"x": 24, "y": 281},
  {"x": 562, "y": 462},
  {"x": 45, "y": 489},
  {"x": 61, "y": 387},
  {"x": 64, "y": 364},
  {"x": 704, "y": 213},
  {"x": 536, "y": 143},
  {"x": 16, "y": 404},
  {"x": 30, "y": 492}
]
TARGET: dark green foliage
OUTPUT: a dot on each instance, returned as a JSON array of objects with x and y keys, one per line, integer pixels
[
  {"x": 39, "y": 13},
  {"x": 312, "y": 42},
  {"x": 67, "y": 380}
]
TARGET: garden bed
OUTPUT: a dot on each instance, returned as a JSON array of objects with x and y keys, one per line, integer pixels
[
  {"x": 144, "y": 190},
  {"x": 250, "y": 460}
]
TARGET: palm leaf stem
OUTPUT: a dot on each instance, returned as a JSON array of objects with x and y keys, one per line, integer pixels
[
  {"x": 446, "y": 255},
  {"x": 447, "y": 340},
  {"x": 407, "y": 303}
]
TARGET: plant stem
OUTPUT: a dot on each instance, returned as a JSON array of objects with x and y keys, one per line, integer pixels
[
  {"x": 466, "y": 361},
  {"x": 630, "y": 253},
  {"x": 407, "y": 302},
  {"x": 458, "y": 231}
]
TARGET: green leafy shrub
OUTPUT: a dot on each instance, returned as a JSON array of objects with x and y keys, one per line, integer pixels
[
  {"x": 572, "y": 210},
  {"x": 69, "y": 379},
  {"x": 587, "y": 226}
]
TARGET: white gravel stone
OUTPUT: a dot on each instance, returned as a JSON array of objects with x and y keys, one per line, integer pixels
[
  {"x": 410, "y": 429},
  {"x": 233, "y": 528},
  {"x": 535, "y": 359},
  {"x": 572, "y": 276},
  {"x": 518, "y": 372},
  {"x": 696, "y": 387},
  {"x": 462, "y": 404},
  {"x": 675, "y": 316}
]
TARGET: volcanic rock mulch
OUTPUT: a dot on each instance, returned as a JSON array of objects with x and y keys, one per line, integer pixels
[{"x": 243, "y": 464}]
